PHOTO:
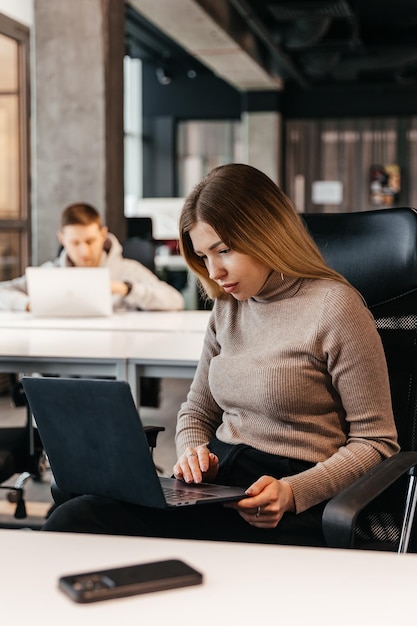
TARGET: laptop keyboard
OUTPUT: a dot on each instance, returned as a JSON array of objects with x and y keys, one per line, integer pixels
[{"x": 174, "y": 495}]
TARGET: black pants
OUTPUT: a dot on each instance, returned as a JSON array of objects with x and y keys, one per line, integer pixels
[{"x": 240, "y": 466}]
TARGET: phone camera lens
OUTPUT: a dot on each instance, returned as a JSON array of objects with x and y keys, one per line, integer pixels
[{"x": 93, "y": 583}]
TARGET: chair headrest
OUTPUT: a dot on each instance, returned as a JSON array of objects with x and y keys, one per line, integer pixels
[{"x": 375, "y": 250}]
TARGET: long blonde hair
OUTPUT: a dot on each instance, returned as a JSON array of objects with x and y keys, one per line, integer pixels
[{"x": 253, "y": 216}]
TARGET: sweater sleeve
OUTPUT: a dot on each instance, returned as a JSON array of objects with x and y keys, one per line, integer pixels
[
  {"x": 14, "y": 295},
  {"x": 200, "y": 416},
  {"x": 148, "y": 292},
  {"x": 356, "y": 362}
]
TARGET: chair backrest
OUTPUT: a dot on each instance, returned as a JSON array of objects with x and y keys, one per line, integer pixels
[
  {"x": 377, "y": 252},
  {"x": 141, "y": 250},
  {"x": 140, "y": 227}
]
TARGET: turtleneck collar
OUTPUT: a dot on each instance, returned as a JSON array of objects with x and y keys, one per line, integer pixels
[{"x": 277, "y": 287}]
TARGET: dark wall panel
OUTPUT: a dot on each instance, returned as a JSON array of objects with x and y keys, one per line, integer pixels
[
  {"x": 340, "y": 101},
  {"x": 202, "y": 97}
]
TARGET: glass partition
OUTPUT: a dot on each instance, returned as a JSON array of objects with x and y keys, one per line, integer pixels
[{"x": 202, "y": 145}]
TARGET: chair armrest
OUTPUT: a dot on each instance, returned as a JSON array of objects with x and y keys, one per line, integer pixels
[
  {"x": 341, "y": 512},
  {"x": 16, "y": 494},
  {"x": 151, "y": 433}
]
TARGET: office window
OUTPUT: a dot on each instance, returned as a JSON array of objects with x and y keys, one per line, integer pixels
[
  {"x": 133, "y": 128},
  {"x": 14, "y": 148},
  {"x": 203, "y": 145}
]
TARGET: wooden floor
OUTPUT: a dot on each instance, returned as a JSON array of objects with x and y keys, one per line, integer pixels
[{"x": 37, "y": 493}]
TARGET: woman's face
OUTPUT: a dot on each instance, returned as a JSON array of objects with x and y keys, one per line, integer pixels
[{"x": 238, "y": 274}]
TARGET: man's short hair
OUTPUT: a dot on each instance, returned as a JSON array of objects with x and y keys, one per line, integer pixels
[{"x": 80, "y": 213}]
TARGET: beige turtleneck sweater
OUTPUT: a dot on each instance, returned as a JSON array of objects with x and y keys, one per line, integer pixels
[{"x": 298, "y": 371}]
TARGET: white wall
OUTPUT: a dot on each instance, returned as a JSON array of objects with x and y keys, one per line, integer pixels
[{"x": 19, "y": 10}]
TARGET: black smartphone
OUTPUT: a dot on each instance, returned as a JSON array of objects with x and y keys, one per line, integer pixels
[{"x": 129, "y": 580}]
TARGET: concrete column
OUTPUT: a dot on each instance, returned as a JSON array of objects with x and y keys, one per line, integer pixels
[{"x": 78, "y": 114}]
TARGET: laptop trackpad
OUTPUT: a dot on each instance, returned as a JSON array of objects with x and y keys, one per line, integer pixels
[{"x": 179, "y": 493}]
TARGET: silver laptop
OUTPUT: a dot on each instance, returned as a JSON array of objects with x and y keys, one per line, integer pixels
[
  {"x": 69, "y": 291},
  {"x": 95, "y": 442}
]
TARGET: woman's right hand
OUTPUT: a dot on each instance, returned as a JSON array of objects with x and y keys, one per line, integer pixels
[{"x": 197, "y": 465}]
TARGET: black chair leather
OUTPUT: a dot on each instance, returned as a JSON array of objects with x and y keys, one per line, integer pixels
[
  {"x": 141, "y": 250},
  {"x": 377, "y": 252}
]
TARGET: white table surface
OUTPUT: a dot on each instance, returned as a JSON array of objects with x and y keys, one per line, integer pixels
[
  {"x": 59, "y": 351},
  {"x": 244, "y": 584},
  {"x": 59, "y": 343},
  {"x": 123, "y": 354},
  {"x": 127, "y": 345},
  {"x": 165, "y": 344},
  {"x": 169, "y": 321}
]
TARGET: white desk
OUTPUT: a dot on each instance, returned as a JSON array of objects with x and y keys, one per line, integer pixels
[
  {"x": 169, "y": 321},
  {"x": 64, "y": 352},
  {"x": 127, "y": 345},
  {"x": 165, "y": 355},
  {"x": 249, "y": 585},
  {"x": 122, "y": 354}
]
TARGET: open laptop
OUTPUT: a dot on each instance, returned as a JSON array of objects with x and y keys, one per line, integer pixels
[
  {"x": 94, "y": 439},
  {"x": 69, "y": 291}
]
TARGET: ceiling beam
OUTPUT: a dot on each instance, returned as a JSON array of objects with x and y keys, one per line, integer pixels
[{"x": 231, "y": 52}]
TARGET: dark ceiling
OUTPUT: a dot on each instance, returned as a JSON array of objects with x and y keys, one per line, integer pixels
[
  {"x": 308, "y": 43},
  {"x": 316, "y": 42}
]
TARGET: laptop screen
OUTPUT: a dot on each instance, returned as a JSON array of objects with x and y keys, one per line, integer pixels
[{"x": 69, "y": 291}]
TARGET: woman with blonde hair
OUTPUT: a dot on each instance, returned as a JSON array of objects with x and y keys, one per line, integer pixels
[
  {"x": 291, "y": 397},
  {"x": 254, "y": 216}
]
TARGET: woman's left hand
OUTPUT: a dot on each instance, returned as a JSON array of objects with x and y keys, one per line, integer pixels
[{"x": 268, "y": 500}]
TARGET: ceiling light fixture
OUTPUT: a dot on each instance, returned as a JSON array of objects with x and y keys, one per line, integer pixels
[{"x": 164, "y": 78}]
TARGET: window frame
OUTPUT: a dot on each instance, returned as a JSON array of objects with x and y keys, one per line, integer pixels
[{"x": 22, "y": 225}]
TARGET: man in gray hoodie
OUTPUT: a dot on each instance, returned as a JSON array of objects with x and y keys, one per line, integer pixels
[{"x": 87, "y": 243}]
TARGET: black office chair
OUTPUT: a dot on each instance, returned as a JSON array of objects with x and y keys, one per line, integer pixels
[
  {"x": 377, "y": 252},
  {"x": 141, "y": 250},
  {"x": 140, "y": 244},
  {"x": 141, "y": 227}
]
